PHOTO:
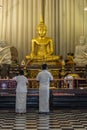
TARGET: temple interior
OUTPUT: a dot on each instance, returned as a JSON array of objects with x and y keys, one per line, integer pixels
[{"x": 52, "y": 32}]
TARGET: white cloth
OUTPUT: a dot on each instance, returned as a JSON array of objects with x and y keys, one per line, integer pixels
[
  {"x": 21, "y": 102},
  {"x": 69, "y": 80},
  {"x": 21, "y": 93},
  {"x": 21, "y": 83},
  {"x": 44, "y": 77}
]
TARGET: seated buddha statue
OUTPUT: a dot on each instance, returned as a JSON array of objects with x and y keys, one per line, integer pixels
[
  {"x": 69, "y": 60},
  {"x": 5, "y": 53},
  {"x": 42, "y": 47},
  {"x": 81, "y": 52}
]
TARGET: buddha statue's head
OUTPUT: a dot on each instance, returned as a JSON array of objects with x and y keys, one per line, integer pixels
[
  {"x": 82, "y": 40},
  {"x": 41, "y": 29}
]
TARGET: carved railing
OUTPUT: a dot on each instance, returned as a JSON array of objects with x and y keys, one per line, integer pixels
[{"x": 56, "y": 83}]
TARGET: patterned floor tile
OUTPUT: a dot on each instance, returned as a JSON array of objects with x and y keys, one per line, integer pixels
[{"x": 56, "y": 120}]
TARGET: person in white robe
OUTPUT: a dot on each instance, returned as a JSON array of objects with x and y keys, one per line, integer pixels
[
  {"x": 21, "y": 92},
  {"x": 44, "y": 77}
]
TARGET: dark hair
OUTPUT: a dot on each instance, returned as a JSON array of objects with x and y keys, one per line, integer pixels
[
  {"x": 44, "y": 66},
  {"x": 21, "y": 72}
]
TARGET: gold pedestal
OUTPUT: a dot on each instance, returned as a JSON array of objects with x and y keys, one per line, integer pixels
[{"x": 38, "y": 63}]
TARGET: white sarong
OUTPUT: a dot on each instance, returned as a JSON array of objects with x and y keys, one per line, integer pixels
[
  {"x": 44, "y": 98},
  {"x": 21, "y": 102}
]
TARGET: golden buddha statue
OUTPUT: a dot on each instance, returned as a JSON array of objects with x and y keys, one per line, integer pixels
[{"x": 42, "y": 47}]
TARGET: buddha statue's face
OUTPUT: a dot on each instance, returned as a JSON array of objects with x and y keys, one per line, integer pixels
[
  {"x": 82, "y": 40},
  {"x": 41, "y": 29}
]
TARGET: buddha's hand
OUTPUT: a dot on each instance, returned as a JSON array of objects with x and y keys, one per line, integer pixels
[
  {"x": 29, "y": 57},
  {"x": 49, "y": 53}
]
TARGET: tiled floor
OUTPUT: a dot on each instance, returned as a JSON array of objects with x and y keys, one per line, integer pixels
[{"x": 56, "y": 120}]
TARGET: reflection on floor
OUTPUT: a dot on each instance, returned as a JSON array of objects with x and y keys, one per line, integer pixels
[{"x": 56, "y": 120}]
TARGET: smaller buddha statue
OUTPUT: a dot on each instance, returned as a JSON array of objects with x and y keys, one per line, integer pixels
[
  {"x": 81, "y": 52},
  {"x": 69, "y": 60},
  {"x": 5, "y": 53},
  {"x": 42, "y": 47}
]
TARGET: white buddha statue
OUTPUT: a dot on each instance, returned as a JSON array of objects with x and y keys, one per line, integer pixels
[
  {"x": 5, "y": 53},
  {"x": 81, "y": 52}
]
